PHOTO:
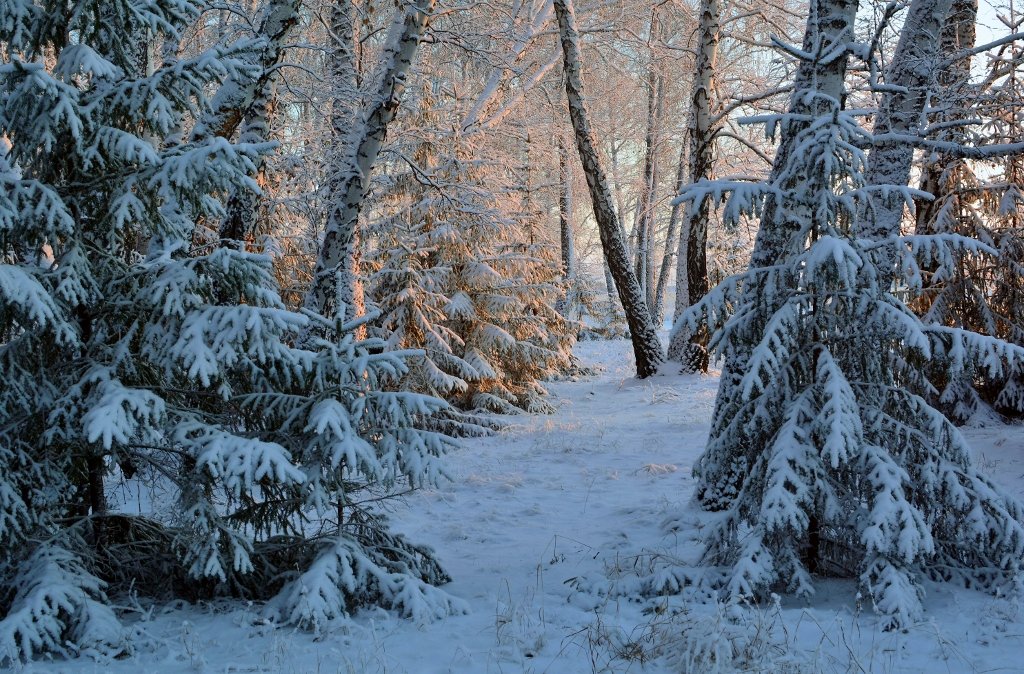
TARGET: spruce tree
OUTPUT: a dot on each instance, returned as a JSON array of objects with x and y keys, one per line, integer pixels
[
  {"x": 463, "y": 274},
  {"x": 835, "y": 461},
  {"x": 130, "y": 342}
]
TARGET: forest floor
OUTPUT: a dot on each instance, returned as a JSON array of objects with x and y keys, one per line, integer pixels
[{"x": 535, "y": 522}]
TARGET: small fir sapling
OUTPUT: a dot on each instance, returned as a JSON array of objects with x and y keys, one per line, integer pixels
[{"x": 461, "y": 274}]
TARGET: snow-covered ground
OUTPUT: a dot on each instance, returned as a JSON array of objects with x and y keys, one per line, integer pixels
[{"x": 539, "y": 515}]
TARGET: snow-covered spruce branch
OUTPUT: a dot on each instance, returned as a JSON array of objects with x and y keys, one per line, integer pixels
[
  {"x": 235, "y": 97},
  {"x": 951, "y": 149},
  {"x": 177, "y": 359}
]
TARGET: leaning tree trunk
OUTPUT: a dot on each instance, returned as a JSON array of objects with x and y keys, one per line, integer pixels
[
  {"x": 526, "y": 30},
  {"x": 818, "y": 85},
  {"x": 686, "y": 347},
  {"x": 646, "y": 346},
  {"x": 334, "y": 279},
  {"x": 910, "y": 78},
  {"x": 247, "y": 102},
  {"x": 235, "y": 97}
]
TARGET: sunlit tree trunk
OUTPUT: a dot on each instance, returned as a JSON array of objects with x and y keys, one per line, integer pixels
[
  {"x": 239, "y": 224},
  {"x": 910, "y": 78},
  {"x": 644, "y": 218},
  {"x": 565, "y": 211},
  {"x": 959, "y": 33},
  {"x": 235, "y": 97},
  {"x": 671, "y": 240}
]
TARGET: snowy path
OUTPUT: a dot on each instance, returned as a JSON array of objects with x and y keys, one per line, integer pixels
[{"x": 557, "y": 497}]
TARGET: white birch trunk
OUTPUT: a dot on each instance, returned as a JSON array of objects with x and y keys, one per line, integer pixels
[
  {"x": 671, "y": 243},
  {"x": 912, "y": 74},
  {"x": 644, "y": 221},
  {"x": 646, "y": 346},
  {"x": 239, "y": 222},
  {"x": 959, "y": 33},
  {"x": 565, "y": 211},
  {"x": 691, "y": 259},
  {"x": 830, "y": 23},
  {"x": 334, "y": 278}
]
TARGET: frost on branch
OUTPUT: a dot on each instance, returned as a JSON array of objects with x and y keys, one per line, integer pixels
[{"x": 347, "y": 573}]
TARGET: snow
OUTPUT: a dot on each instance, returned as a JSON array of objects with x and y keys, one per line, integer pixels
[{"x": 539, "y": 515}]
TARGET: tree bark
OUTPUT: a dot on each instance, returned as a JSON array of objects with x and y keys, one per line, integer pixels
[
  {"x": 646, "y": 346},
  {"x": 644, "y": 219},
  {"x": 671, "y": 243},
  {"x": 959, "y": 33},
  {"x": 830, "y": 23},
  {"x": 335, "y": 276},
  {"x": 239, "y": 223},
  {"x": 565, "y": 211},
  {"x": 609, "y": 285}
]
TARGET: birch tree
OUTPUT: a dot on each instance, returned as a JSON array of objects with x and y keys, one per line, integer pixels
[
  {"x": 672, "y": 240},
  {"x": 239, "y": 224},
  {"x": 334, "y": 279},
  {"x": 910, "y": 78},
  {"x": 952, "y": 77},
  {"x": 644, "y": 217},
  {"x": 565, "y": 212},
  {"x": 977, "y": 199},
  {"x": 234, "y": 98},
  {"x": 691, "y": 260},
  {"x": 646, "y": 346}
]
